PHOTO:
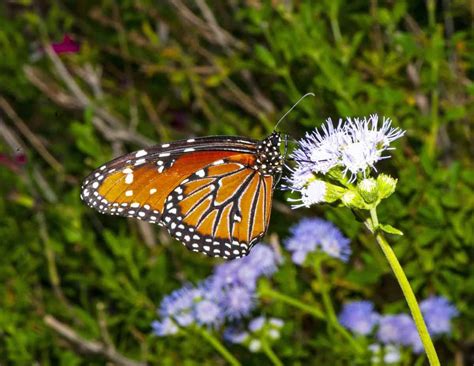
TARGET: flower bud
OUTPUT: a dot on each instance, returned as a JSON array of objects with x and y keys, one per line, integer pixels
[
  {"x": 336, "y": 174},
  {"x": 386, "y": 185},
  {"x": 255, "y": 345},
  {"x": 353, "y": 199},
  {"x": 274, "y": 334},
  {"x": 368, "y": 189}
]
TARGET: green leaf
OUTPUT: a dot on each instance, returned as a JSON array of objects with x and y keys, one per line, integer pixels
[
  {"x": 265, "y": 56},
  {"x": 390, "y": 229}
]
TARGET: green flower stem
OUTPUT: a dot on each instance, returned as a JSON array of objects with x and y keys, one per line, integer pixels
[
  {"x": 406, "y": 288},
  {"x": 293, "y": 302},
  {"x": 270, "y": 354},
  {"x": 218, "y": 346},
  {"x": 324, "y": 292},
  {"x": 333, "y": 321},
  {"x": 318, "y": 314}
]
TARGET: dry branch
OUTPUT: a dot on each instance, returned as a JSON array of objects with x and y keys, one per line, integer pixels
[{"x": 88, "y": 347}]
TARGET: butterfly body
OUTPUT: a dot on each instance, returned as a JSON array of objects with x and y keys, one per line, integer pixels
[{"x": 213, "y": 194}]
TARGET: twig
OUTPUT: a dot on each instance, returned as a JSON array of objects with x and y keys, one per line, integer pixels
[
  {"x": 88, "y": 347},
  {"x": 153, "y": 115},
  {"x": 147, "y": 233},
  {"x": 125, "y": 52},
  {"x": 91, "y": 76},
  {"x": 30, "y": 136},
  {"x": 203, "y": 28},
  {"x": 16, "y": 143},
  {"x": 216, "y": 29},
  {"x": 52, "y": 90},
  {"x": 69, "y": 80},
  {"x": 10, "y": 138},
  {"x": 104, "y": 332},
  {"x": 114, "y": 121}
]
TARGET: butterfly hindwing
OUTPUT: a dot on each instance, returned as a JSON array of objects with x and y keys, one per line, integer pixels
[{"x": 222, "y": 209}]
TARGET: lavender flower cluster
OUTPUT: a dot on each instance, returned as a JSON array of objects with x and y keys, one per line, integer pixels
[
  {"x": 313, "y": 234},
  {"x": 228, "y": 294},
  {"x": 398, "y": 329}
]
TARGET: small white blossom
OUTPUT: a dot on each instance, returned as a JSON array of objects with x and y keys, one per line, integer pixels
[
  {"x": 255, "y": 345},
  {"x": 313, "y": 193},
  {"x": 391, "y": 354}
]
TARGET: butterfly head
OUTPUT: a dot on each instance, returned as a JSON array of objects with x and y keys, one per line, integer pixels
[{"x": 269, "y": 158}]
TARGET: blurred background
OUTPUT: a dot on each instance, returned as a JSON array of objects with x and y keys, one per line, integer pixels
[{"x": 82, "y": 82}]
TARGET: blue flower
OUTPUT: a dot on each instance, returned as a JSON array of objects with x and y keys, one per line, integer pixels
[
  {"x": 311, "y": 234},
  {"x": 164, "y": 328},
  {"x": 235, "y": 335},
  {"x": 438, "y": 312},
  {"x": 237, "y": 301},
  {"x": 257, "y": 324},
  {"x": 399, "y": 330},
  {"x": 262, "y": 261},
  {"x": 179, "y": 305},
  {"x": 207, "y": 312},
  {"x": 359, "y": 317}
]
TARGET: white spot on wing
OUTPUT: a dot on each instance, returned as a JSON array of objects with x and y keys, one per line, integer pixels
[
  {"x": 140, "y": 153},
  {"x": 129, "y": 193},
  {"x": 201, "y": 173},
  {"x": 129, "y": 178}
]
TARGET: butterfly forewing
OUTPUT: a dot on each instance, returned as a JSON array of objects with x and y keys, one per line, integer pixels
[{"x": 213, "y": 194}]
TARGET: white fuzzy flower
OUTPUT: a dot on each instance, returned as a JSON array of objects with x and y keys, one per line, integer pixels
[
  {"x": 313, "y": 193},
  {"x": 355, "y": 146},
  {"x": 319, "y": 149}
]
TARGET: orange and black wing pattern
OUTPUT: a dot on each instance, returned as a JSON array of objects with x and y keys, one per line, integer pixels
[
  {"x": 221, "y": 210},
  {"x": 213, "y": 194}
]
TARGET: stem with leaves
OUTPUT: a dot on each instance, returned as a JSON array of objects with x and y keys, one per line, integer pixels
[{"x": 373, "y": 225}]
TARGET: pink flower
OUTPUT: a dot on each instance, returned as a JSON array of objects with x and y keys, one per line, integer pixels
[
  {"x": 67, "y": 45},
  {"x": 14, "y": 163}
]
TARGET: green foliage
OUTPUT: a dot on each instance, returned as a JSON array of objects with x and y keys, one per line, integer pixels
[{"x": 151, "y": 71}]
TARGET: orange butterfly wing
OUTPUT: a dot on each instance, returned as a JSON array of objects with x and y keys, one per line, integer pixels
[
  {"x": 221, "y": 210},
  {"x": 125, "y": 188},
  {"x": 213, "y": 194}
]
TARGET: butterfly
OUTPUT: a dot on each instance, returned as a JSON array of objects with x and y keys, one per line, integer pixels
[{"x": 213, "y": 194}]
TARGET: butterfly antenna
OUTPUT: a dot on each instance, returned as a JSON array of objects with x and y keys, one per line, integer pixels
[{"x": 299, "y": 100}]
